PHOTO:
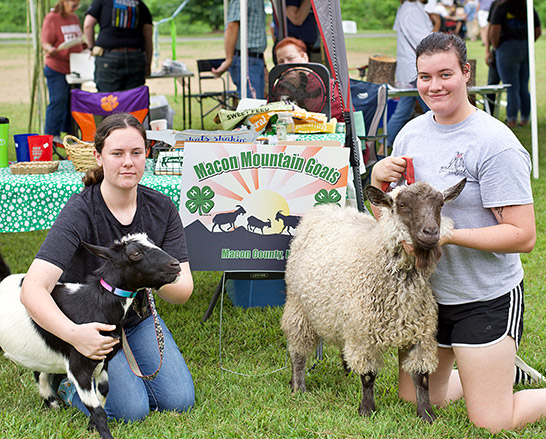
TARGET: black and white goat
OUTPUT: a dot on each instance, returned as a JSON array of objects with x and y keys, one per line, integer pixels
[{"x": 130, "y": 264}]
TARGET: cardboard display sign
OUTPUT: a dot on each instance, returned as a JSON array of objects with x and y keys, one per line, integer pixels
[{"x": 240, "y": 203}]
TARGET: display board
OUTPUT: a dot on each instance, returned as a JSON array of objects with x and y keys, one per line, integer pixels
[{"x": 240, "y": 202}]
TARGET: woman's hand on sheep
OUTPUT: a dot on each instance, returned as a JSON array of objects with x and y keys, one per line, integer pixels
[
  {"x": 390, "y": 169},
  {"x": 89, "y": 341}
]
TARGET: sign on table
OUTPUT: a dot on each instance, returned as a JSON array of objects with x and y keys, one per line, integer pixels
[{"x": 240, "y": 202}]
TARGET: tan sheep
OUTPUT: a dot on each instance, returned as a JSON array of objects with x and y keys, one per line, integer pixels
[{"x": 349, "y": 281}]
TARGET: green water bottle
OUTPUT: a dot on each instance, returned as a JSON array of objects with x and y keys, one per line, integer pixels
[{"x": 4, "y": 136}]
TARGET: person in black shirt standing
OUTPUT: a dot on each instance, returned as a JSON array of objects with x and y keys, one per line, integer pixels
[{"x": 124, "y": 46}]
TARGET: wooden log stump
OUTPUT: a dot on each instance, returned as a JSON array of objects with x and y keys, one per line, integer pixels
[{"x": 381, "y": 69}]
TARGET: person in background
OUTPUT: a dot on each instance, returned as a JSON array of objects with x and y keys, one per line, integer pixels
[
  {"x": 60, "y": 26},
  {"x": 493, "y": 77},
  {"x": 291, "y": 50},
  {"x": 508, "y": 35},
  {"x": 124, "y": 45},
  {"x": 472, "y": 26},
  {"x": 257, "y": 43},
  {"x": 301, "y": 24},
  {"x": 483, "y": 12},
  {"x": 433, "y": 9},
  {"x": 480, "y": 272},
  {"x": 112, "y": 205},
  {"x": 412, "y": 24}
]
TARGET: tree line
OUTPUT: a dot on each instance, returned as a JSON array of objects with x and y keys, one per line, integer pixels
[{"x": 206, "y": 16}]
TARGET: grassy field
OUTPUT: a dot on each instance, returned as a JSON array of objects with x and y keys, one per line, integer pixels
[{"x": 232, "y": 405}]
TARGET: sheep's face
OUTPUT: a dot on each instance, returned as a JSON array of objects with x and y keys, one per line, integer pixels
[
  {"x": 138, "y": 263},
  {"x": 418, "y": 207}
]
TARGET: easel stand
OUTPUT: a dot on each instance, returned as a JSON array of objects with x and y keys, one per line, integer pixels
[{"x": 238, "y": 275}]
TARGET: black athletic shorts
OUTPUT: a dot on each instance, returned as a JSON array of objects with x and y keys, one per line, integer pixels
[{"x": 480, "y": 324}]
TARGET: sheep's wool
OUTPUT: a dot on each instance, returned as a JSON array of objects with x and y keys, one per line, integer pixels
[{"x": 350, "y": 282}]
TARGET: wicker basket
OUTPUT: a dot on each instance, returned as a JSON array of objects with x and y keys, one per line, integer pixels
[
  {"x": 34, "y": 167},
  {"x": 80, "y": 153}
]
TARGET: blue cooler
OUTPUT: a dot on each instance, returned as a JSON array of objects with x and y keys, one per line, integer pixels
[{"x": 256, "y": 289}]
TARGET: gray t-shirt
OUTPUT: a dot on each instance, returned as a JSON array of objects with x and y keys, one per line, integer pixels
[{"x": 497, "y": 168}]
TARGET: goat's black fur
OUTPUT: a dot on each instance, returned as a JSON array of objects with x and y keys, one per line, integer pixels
[{"x": 131, "y": 264}]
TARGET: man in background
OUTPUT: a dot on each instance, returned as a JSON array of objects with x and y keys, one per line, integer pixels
[{"x": 257, "y": 43}]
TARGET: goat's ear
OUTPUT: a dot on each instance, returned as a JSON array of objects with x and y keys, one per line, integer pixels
[
  {"x": 377, "y": 197},
  {"x": 102, "y": 252},
  {"x": 454, "y": 191}
]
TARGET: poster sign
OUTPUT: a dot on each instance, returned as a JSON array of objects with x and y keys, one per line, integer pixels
[{"x": 240, "y": 203}]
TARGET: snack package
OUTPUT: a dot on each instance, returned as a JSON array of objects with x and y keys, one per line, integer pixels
[
  {"x": 260, "y": 121},
  {"x": 229, "y": 119},
  {"x": 305, "y": 127}
]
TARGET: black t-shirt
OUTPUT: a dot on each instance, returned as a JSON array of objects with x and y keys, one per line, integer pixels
[
  {"x": 121, "y": 22},
  {"x": 513, "y": 22},
  {"x": 86, "y": 217}
]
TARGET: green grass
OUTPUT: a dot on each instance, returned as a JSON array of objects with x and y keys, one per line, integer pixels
[{"x": 231, "y": 405}]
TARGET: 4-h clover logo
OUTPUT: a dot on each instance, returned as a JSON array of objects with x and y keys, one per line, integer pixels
[
  {"x": 324, "y": 197},
  {"x": 200, "y": 200}
]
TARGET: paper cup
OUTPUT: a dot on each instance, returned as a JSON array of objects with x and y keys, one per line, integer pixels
[
  {"x": 21, "y": 146},
  {"x": 158, "y": 124},
  {"x": 41, "y": 148}
]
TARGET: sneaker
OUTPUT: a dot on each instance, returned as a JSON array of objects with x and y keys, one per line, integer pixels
[
  {"x": 525, "y": 374},
  {"x": 66, "y": 391},
  {"x": 58, "y": 140}
]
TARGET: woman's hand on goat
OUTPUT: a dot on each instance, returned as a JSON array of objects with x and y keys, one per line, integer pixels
[{"x": 88, "y": 340}]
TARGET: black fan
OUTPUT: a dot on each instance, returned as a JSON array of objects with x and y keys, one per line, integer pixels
[{"x": 306, "y": 85}]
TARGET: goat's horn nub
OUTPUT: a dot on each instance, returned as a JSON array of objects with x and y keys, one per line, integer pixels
[{"x": 117, "y": 291}]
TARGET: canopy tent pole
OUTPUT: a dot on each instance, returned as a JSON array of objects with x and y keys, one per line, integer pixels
[
  {"x": 533, "y": 85},
  {"x": 328, "y": 17},
  {"x": 243, "y": 41},
  {"x": 36, "y": 13}
]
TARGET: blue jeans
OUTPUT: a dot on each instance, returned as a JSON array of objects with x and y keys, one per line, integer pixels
[
  {"x": 58, "y": 117},
  {"x": 513, "y": 66},
  {"x": 401, "y": 115},
  {"x": 255, "y": 78},
  {"x": 117, "y": 71},
  {"x": 131, "y": 398}
]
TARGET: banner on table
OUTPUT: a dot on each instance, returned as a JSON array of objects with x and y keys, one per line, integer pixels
[{"x": 240, "y": 202}]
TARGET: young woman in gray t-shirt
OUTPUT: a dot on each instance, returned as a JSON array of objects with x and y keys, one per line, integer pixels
[{"x": 478, "y": 282}]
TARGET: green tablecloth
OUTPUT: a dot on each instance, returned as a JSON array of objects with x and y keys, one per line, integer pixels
[{"x": 32, "y": 202}]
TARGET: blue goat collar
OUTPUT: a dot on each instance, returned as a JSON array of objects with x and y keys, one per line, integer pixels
[{"x": 117, "y": 291}]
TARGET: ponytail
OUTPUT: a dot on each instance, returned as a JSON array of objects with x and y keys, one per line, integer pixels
[{"x": 93, "y": 176}]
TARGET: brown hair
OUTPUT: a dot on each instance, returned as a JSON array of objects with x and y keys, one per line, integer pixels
[
  {"x": 438, "y": 42},
  {"x": 59, "y": 8},
  {"x": 109, "y": 124},
  {"x": 291, "y": 40}
]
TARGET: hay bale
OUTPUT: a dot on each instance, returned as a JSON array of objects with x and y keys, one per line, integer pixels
[{"x": 381, "y": 69}]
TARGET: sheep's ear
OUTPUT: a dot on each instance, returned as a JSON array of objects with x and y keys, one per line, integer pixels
[
  {"x": 101, "y": 252},
  {"x": 377, "y": 197},
  {"x": 454, "y": 191}
]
